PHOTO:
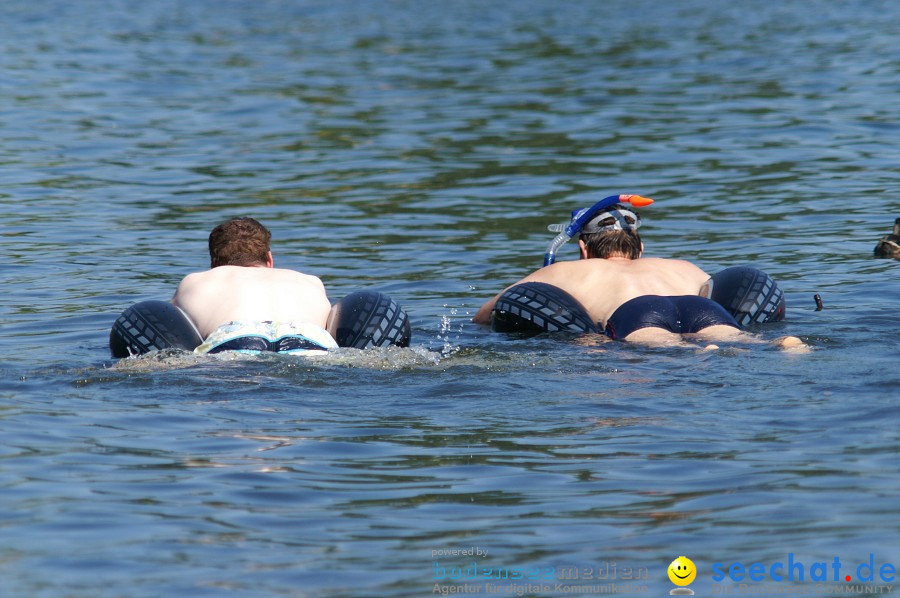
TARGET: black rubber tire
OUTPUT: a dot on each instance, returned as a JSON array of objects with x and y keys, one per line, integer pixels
[
  {"x": 365, "y": 319},
  {"x": 534, "y": 307},
  {"x": 748, "y": 294},
  {"x": 150, "y": 326}
]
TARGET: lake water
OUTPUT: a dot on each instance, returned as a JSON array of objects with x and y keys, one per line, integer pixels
[{"x": 421, "y": 148}]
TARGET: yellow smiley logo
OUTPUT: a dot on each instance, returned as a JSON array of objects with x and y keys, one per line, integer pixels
[{"x": 682, "y": 571}]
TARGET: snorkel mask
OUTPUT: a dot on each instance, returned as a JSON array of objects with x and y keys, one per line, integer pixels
[{"x": 582, "y": 217}]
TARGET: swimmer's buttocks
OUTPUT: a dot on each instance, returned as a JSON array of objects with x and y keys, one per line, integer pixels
[
  {"x": 747, "y": 293},
  {"x": 684, "y": 314},
  {"x": 150, "y": 326},
  {"x": 534, "y": 307}
]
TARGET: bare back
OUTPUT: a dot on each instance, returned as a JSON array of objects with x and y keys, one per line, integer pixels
[
  {"x": 602, "y": 285},
  {"x": 245, "y": 293}
]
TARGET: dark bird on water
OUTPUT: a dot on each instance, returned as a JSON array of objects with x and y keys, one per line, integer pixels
[{"x": 889, "y": 245}]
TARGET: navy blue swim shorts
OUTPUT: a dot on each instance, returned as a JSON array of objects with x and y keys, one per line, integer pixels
[{"x": 683, "y": 314}]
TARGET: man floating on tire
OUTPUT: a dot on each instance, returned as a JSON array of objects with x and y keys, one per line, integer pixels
[
  {"x": 243, "y": 303},
  {"x": 628, "y": 297}
]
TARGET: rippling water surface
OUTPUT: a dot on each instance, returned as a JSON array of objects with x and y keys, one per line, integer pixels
[{"x": 420, "y": 148}]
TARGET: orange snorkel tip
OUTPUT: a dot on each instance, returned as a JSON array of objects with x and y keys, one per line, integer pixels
[{"x": 636, "y": 200}]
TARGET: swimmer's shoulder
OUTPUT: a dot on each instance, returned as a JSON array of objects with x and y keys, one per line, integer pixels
[
  {"x": 555, "y": 272},
  {"x": 194, "y": 285},
  {"x": 663, "y": 261},
  {"x": 669, "y": 264},
  {"x": 194, "y": 278},
  {"x": 574, "y": 269},
  {"x": 296, "y": 277},
  {"x": 686, "y": 275}
]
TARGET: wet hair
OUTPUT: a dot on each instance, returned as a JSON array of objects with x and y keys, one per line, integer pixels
[
  {"x": 239, "y": 242},
  {"x": 605, "y": 244}
]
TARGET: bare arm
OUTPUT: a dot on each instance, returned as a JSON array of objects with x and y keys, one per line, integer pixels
[{"x": 484, "y": 314}]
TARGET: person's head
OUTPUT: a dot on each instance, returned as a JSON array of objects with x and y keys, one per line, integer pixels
[
  {"x": 612, "y": 233},
  {"x": 240, "y": 242}
]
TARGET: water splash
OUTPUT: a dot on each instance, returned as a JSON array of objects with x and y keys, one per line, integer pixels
[
  {"x": 448, "y": 329},
  {"x": 380, "y": 358}
]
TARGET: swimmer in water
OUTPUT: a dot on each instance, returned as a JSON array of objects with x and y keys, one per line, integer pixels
[
  {"x": 243, "y": 285},
  {"x": 889, "y": 245},
  {"x": 646, "y": 300}
]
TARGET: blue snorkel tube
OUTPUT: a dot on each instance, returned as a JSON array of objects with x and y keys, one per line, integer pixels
[{"x": 582, "y": 217}]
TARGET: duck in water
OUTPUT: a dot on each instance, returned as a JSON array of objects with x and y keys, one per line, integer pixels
[{"x": 889, "y": 245}]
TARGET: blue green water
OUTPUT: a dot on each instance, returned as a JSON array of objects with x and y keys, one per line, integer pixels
[{"x": 421, "y": 149}]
